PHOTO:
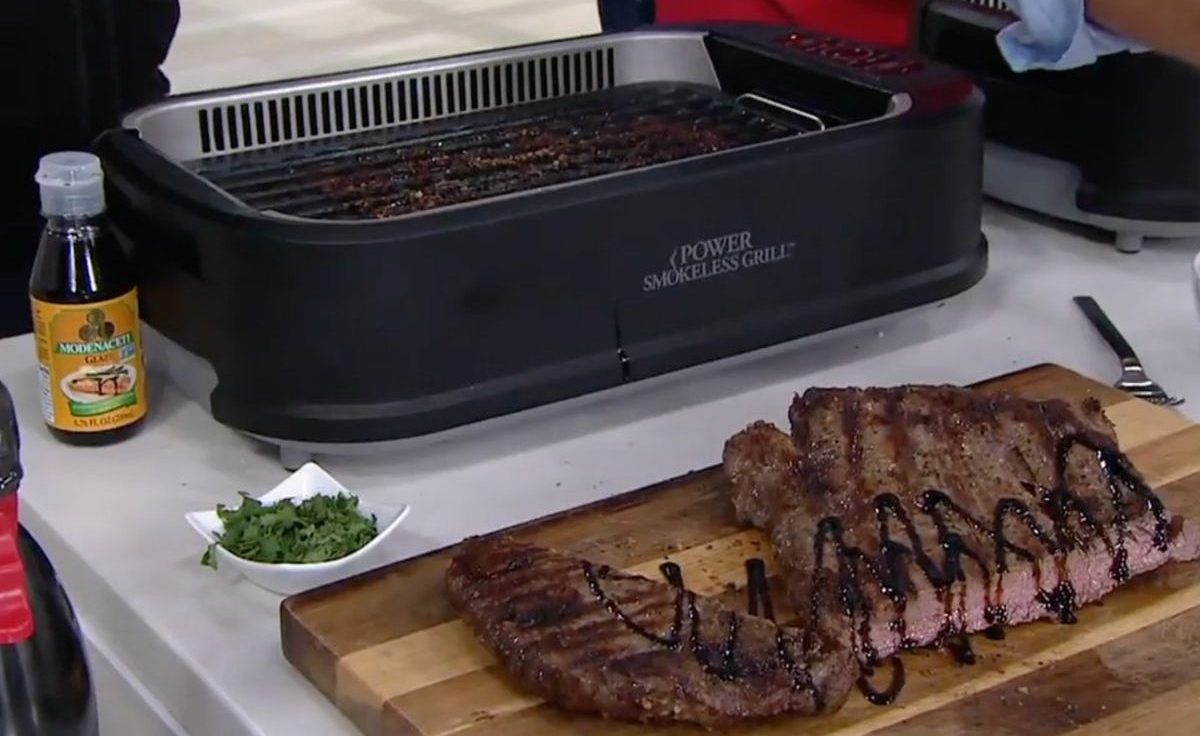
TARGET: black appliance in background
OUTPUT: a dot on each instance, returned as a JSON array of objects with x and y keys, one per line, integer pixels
[
  {"x": 1115, "y": 144},
  {"x": 337, "y": 263}
]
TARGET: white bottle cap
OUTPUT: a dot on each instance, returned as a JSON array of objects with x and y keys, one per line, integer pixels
[{"x": 72, "y": 184}]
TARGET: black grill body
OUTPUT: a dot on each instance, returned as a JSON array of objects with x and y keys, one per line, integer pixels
[{"x": 396, "y": 281}]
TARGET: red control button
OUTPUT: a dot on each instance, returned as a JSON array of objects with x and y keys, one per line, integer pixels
[
  {"x": 896, "y": 67},
  {"x": 800, "y": 40},
  {"x": 876, "y": 61},
  {"x": 851, "y": 55}
]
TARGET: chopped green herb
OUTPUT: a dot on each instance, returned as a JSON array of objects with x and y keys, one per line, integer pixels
[{"x": 319, "y": 529}]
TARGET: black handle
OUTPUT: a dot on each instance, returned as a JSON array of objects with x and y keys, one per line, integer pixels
[
  {"x": 128, "y": 159},
  {"x": 1107, "y": 329}
]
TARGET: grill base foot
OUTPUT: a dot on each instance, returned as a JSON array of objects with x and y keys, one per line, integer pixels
[{"x": 1050, "y": 187}]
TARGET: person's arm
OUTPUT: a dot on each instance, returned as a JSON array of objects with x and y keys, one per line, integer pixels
[
  {"x": 71, "y": 68},
  {"x": 144, "y": 32},
  {"x": 1171, "y": 27}
]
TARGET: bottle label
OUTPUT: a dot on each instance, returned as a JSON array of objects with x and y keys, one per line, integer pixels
[{"x": 90, "y": 363}]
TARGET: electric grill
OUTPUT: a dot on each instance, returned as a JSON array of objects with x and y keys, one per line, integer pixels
[
  {"x": 1112, "y": 144},
  {"x": 341, "y": 263}
]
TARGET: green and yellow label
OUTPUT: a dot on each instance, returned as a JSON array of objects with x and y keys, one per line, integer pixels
[{"x": 90, "y": 363}]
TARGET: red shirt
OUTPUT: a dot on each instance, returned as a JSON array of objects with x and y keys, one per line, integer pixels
[{"x": 884, "y": 22}]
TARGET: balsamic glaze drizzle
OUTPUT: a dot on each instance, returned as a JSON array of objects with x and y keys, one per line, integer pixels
[
  {"x": 1072, "y": 525},
  {"x": 888, "y": 695},
  {"x": 673, "y": 573},
  {"x": 721, "y": 661},
  {"x": 757, "y": 591},
  {"x": 673, "y": 639},
  {"x": 890, "y": 571},
  {"x": 960, "y": 649}
]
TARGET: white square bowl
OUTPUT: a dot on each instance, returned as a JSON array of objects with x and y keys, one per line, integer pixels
[{"x": 290, "y": 578}]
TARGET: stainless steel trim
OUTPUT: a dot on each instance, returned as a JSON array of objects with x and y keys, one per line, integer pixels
[
  {"x": 899, "y": 104},
  {"x": 784, "y": 107},
  {"x": 263, "y": 116}
]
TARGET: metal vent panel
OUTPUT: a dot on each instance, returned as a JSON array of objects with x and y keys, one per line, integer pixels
[
  {"x": 292, "y": 118},
  {"x": 221, "y": 122},
  {"x": 995, "y": 7}
]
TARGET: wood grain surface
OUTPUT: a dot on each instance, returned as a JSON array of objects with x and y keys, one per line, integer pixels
[{"x": 389, "y": 651}]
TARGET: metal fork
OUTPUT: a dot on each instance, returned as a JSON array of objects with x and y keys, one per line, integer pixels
[{"x": 1133, "y": 376}]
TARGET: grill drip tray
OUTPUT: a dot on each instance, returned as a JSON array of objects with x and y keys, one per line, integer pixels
[{"x": 405, "y": 169}]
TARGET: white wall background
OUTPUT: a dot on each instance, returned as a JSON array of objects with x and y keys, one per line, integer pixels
[{"x": 223, "y": 42}]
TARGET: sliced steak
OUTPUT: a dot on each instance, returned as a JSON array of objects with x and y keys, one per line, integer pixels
[
  {"x": 926, "y": 512},
  {"x": 589, "y": 638}
]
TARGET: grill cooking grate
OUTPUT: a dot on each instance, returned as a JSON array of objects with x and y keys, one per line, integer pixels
[{"x": 397, "y": 171}]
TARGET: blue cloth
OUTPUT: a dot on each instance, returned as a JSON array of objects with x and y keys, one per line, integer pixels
[{"x": 1056, "y": 34}]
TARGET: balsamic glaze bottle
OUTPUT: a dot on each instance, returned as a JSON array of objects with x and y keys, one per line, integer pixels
[{"x": 85, "y": 311}]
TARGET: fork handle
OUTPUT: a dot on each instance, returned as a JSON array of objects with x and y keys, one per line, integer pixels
[{"x": 1106, "y": 328}]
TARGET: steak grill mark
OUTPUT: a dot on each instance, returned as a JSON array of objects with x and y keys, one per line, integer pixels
[
  {"x": 758, "y": 594},
  {"x": 590, "y": 638},
  {"x": 685, "y": 605}
]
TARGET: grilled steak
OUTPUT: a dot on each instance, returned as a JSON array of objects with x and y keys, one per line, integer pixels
[
  {"x": 604, "y": 133},
  {"x": 928, "y": 512},
  {"x": 591, "y": 639}
]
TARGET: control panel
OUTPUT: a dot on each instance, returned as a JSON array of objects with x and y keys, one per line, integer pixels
[{"x": 848, "y": 53}]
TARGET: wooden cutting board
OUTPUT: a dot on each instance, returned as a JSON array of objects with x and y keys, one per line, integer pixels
[{"x": 387, "y": 649}]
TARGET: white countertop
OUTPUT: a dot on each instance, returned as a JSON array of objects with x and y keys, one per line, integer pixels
[{"x": 207, "y": 648}]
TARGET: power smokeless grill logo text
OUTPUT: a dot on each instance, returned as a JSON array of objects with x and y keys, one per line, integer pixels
[{"x": 711, "y": 257}]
